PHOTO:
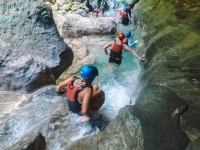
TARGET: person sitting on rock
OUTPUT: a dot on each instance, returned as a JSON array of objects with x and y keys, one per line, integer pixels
[
  {"x": 102, "y": 9},
  {"x": 80, "y": 92},
  {"x": 124, "y": 18},
  {"x": 127, "y": 40},
  {"x": 96, "y": 11},
  {"x": 127, "y": 9},
  {"x": 116, "y": 51}
]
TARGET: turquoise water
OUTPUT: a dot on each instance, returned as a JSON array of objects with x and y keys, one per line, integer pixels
[{"x": 120, "y": 86}]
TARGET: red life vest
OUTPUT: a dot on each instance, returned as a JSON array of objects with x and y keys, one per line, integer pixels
[
  {"x": 102, "y": 7},
  {"x": 124, "y": 14},
  {"x": 72, "y": 92},
  {"x": 128, "y": 7},
  {"x": 116, "y": 48},
  {"x": 96, "y": 10},
  {"x": 125, "y": 40}
]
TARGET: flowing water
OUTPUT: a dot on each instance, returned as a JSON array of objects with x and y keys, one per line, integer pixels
[{"x": 28, "y": 114}]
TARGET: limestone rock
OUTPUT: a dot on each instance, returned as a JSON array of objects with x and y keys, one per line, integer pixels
[
  {"x": 66, "y": 7},
  {"x": 30, "y": 28},
  {"x": 55, "y": 7},
  {"x": 75, "y": 25},
  {"x": 82, "y": 13},
  {"x": 76, "y": 7},
  {"x": 20, "y": 71}
]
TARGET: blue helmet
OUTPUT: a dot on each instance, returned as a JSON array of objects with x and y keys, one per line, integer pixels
[
  {"x": 125, "y": 4},
  {"x": 89, "y": 72},
  {"x": 128, "y": 34},
  {"x": 96, "y": 7}
]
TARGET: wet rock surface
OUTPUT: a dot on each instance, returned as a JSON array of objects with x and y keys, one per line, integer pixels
[
  {"x": 124, "y": 132},
  {"x": 45, "y": 121},
  {"x": 30, "y": 28},
  {"x": 20, "y": 72}
]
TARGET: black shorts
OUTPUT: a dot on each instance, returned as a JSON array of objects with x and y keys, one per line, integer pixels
[
  {"x": 125, "y": 21},
  {"x": 116, "y": 61},
  {"x": 75, "y": 107}
]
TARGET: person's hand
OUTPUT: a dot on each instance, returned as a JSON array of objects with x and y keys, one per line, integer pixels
[
  {"x": 108, "y": 56},
  {"x": 84, "y": 118},
  {"x": 61, "y": 91},
  {"x": 142, "y": 59},
  {"x": 136, "y": 41}
]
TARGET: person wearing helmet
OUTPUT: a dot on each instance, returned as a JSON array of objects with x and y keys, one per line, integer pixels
[
  {"x": 124, "y": 18},
  {"x": 116, "y": 4},
  {"x": 127, "y": 40},
  {"x": 117, "y": 47},
  {"x": 80, "y": 92},
  {"x": 96, "y": 11},
  {"x": 127, "y": 9},
  {"x": 102, "y": 9}
]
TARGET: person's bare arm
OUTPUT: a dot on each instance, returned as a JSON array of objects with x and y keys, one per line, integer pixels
[
  {"x": 62, "y": 85},
  {"x": 126, "y": 47},
  {"x": 106, "y": 46},
  {"x": 86, "y": 102}
]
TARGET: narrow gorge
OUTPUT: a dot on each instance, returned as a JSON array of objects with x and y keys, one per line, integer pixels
[{"x": 151, "y": 105}]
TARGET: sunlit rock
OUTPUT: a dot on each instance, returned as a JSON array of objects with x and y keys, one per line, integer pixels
[{"x": 73, "y": 25}]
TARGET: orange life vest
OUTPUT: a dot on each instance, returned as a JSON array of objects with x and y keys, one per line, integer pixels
[
  {"x": 116, "y": 48},
  {"x": 102, "y": 7},
  {"x": 72, "y": 92},
  {"x": 96, "y": 10},
  {"x": 128, "y": 7},
  {"x": 124, "y": 14}
]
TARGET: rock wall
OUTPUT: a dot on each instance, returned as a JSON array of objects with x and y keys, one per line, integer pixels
[
  {"x": 29, "y": 27},
  {"x": 168, "y": 107}
]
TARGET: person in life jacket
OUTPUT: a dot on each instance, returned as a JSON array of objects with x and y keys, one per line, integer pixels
[
  {"x": 102, "y": 9},
  {"x": 116, "y": 4},
  {"x": 117, "y": 47},
  {"x": 80, "y": 92},
  {"x": 127, "y": 40},
  {"x": 127, "y": 9},
  {"x": 124, "y": 18},
  {"x": 96, "y": 11}
]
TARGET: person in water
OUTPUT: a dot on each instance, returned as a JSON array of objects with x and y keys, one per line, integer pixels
[
  {"x": 96, "y": 11},
  {"x": 116, "y": 51},
  {"x": 124, "y": 18},
  {"x": 80, "y": 92},
  {"x": 116, "y": 4},
  {"x": 127, "y": 40},
  {"x": 102, "y": 9},
  {"x": 127, "y": 9}
]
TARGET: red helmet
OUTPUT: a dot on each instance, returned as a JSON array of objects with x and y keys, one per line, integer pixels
[{"x": 121, "y": 36}]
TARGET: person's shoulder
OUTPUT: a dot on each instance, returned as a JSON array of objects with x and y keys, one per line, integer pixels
[{"x": 88, "y": 90}]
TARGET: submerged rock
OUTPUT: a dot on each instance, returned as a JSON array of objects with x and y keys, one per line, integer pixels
[
  {"x": 29, "y": 27},
  {"x": 74, "y": 25}
]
